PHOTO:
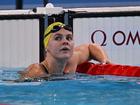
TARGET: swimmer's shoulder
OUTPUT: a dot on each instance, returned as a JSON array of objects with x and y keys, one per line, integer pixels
[{"x": 33, "y": 70}]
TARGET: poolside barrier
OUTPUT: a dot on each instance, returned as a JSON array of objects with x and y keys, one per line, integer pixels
[{"x": 109, "y": 69}]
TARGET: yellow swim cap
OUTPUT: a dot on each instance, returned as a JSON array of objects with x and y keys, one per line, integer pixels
[{"x": 47, "y": 33}]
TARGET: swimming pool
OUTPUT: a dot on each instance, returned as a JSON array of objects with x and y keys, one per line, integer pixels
[{"x": 80, "y": 90}]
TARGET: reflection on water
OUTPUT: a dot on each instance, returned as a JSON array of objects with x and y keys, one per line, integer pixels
[{"x": 76, "y": 89}]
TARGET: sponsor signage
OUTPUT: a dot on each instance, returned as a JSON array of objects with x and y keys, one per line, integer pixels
[{"x": 119, "y": 36}]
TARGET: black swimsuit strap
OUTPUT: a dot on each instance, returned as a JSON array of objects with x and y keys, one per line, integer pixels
[{"x": 44, "y": 68}]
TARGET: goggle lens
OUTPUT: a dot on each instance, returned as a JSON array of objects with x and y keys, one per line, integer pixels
[{"x": 57, "y": 28}]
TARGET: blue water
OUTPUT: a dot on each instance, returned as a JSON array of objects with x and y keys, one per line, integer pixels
[{"x": 80, "y": 90}]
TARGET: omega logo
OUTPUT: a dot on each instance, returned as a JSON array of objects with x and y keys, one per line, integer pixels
[{"x": 124, "y": 39}]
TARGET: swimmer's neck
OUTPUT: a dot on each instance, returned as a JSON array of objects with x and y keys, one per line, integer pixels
[{"x": 55, "y": 66}]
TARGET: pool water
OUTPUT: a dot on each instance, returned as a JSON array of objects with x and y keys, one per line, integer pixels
[{"x": 80, "y": 90}]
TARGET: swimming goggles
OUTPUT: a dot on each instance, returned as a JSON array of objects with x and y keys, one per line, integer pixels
[{"x": 58, "y": 27}]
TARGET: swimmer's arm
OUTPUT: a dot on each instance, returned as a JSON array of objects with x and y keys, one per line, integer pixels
[
  {"x": 97, "y": 53},
  {"x": 82, "y": 53},
  {"x": 92, "y": 51}
]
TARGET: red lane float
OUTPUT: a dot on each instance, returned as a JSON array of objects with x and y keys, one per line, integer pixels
[{"x": 109, "y": 69}]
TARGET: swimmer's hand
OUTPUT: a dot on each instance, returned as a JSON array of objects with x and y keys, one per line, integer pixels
[{"x": 106, "y": 61}]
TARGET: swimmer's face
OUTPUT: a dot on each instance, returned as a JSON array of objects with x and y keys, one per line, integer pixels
[{"x": 61, "y": 44}]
